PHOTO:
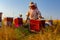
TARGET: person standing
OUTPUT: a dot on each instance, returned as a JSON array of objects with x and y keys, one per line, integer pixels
[{"x": 33, "y": 14}]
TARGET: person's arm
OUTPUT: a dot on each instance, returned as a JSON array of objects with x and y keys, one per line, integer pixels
[
  {"x": 27, "y": 16},
  {"x": 39, "y": 15}
]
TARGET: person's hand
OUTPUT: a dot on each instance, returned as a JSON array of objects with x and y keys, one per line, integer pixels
[{"x": 42, "y": 17}]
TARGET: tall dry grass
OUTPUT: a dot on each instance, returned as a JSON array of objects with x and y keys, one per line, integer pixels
[{"x": 21, "y": 33}]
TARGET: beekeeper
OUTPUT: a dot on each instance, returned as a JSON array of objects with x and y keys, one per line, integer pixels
[{"x": 33, "y": 12}]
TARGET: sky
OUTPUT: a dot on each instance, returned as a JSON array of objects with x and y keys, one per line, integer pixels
[{"x": 48, "y": 8}]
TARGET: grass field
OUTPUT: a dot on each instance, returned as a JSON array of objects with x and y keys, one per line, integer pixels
[{"x": 21, "y": 33}]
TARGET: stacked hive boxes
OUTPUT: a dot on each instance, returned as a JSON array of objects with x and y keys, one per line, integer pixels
[{"x": 0, "y": 19}]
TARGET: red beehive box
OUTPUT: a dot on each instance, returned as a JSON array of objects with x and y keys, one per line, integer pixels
[
  {"x": 18, "y": 22},
  {"x": 35, "y": 25}
]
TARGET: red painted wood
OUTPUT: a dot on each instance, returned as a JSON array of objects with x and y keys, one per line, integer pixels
[
  {"x": 18, "y": 22},
  {"x": 35, "y": 25}
]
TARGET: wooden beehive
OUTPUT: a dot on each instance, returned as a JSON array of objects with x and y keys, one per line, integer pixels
[
  {"x": 18, "y": 22},
  {"x": 36, "y": 24},
  {"x": 43, "y": 23},
  {"x": 8, "y": 21},
  {"x": 51, "y": 22},
  {"x": 0, "y": 19}
]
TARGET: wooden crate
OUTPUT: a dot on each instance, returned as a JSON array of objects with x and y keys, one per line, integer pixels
[
  {"x": 18, "y": 22},
  {"x": 0, "y": 19},
  {"x": 8, "y": 21},
  {"x": 35, "y": 25}
]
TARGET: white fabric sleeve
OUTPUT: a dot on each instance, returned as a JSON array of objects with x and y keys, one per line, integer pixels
[
  {"x": 27, "y": 14},
  {"x": 39, "y": 13}
]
